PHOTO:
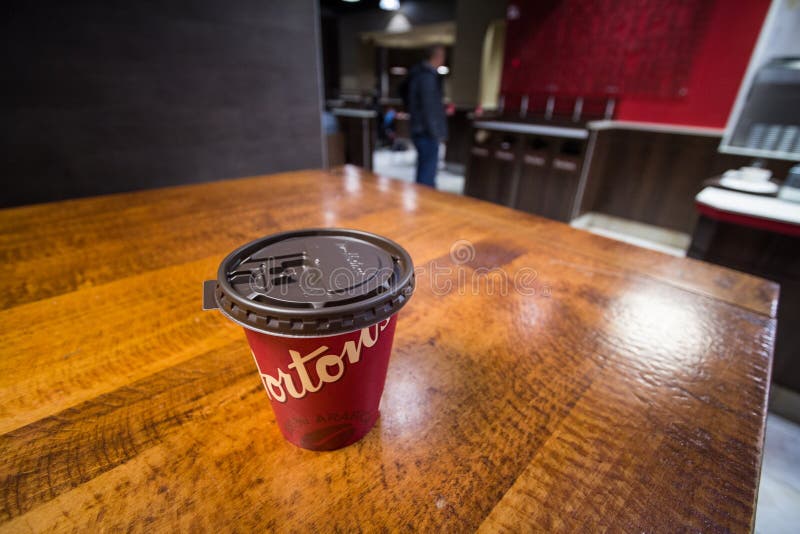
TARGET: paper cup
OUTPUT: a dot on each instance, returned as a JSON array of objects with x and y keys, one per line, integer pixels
[
  {"x": 319, "y": 309},
  {"x": 325, "y": 391}
]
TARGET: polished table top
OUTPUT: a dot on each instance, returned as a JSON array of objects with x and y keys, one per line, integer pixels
[{"x": 591, "y": 385}]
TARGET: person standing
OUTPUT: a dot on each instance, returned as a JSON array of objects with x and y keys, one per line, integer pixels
[{"x": 428, "y": 121}]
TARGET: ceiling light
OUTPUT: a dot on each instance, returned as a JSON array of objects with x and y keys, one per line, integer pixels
[
  {"x": 399, "y": 23},
  {"x": 390, "y": 5}
]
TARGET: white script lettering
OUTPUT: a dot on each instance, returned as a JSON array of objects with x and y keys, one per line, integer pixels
[{"x": 329, "y": 367}]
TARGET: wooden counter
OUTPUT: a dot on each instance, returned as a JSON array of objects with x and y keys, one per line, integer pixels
[
  {"x": 760, "y": 235},
  {"x": 533, "y": 167},
  {"x": 643, "y": 172},
  {"x": 610, "y": 387},
  {"x": 359, "y": 129}
]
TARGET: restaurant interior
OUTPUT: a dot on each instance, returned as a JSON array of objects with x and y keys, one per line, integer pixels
[{"x": 643, "y": 158}]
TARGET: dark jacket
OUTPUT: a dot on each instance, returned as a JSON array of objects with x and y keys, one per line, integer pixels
[{"x": 425, "y": 102}]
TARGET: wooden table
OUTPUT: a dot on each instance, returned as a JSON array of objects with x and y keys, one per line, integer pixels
[{"x": 612, "y": 388}]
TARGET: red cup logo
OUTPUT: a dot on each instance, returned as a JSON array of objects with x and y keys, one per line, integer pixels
[{"x": 297, "y": 382}]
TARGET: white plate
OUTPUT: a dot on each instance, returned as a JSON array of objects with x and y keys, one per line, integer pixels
[
  {"x": 748, "y": 186},
  {"x": 755, "y": 174}
]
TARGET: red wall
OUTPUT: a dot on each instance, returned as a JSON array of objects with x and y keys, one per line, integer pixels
[
  {"x": 666, "y": 61},
  {"x": 717, "y": 70}
]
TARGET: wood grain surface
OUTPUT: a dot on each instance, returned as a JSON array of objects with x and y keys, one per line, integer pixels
[{"x": 606, "y": 388}]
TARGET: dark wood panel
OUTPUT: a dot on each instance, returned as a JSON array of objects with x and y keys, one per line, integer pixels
[
  {"x": 335, "y": 142},
  {"x": 535, "y": 173},
  {"x": 537, "y": 155},
  {"x": 550, "y": 174},
  {"x": 100, "y": 97},
  {"x": 493, "y": 170},
  {"x": 653, "y": 177},
  {"x": 359, "y": 139},
  {"x": 459, "y": 127}
]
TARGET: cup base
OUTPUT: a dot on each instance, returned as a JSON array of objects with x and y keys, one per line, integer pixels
[{"x": 334, "y": 436}]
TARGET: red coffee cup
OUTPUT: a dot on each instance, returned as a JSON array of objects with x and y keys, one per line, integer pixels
[{"x": 319, "y": 308}]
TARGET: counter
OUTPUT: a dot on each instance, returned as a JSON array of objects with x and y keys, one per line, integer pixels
[
  {"x": 764, "y": 212},
  {"x": 532, "y": 128},
  {"x": 639, "y": 171},
  {"x": 760, "y": 235},
  {"x": 359, "y": 129},
  {"x": 533, "y": 167}
]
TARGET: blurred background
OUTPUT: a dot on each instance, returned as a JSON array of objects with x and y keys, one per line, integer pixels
[{"x": 670, "y": 124}]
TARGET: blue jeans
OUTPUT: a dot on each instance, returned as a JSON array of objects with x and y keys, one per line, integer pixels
[{"x": 427, "y": 158}]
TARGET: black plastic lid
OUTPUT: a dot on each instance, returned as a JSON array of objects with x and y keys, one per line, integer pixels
[{"x": 315, "y": 282}]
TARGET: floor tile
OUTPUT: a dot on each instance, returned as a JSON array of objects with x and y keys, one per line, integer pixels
[
  {"x": 402, "y": 166},
  {"x": 778, "y": 507}
]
